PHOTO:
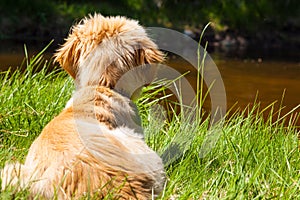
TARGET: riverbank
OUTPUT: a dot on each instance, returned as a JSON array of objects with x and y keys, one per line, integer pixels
[
  {"x": 236, "y": 24},
  {"x": 252, "y": 158}
]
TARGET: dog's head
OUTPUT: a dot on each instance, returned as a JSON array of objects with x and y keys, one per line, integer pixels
[{"x": 99, "y": 50}]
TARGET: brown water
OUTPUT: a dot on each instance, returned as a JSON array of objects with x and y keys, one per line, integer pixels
[
  {"x": 260, "y": 77},
  {"x": 247, "y": 81}
]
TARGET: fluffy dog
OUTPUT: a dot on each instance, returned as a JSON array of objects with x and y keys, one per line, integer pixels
[{"x": 95, "y": 145}]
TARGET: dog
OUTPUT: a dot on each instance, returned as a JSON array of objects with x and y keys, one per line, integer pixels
[{"x": 95, "y": 146}]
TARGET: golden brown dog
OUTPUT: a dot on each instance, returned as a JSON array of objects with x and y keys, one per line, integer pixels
[{"x": 94, "y": 146}]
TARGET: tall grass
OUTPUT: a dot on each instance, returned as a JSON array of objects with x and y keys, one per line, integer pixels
[
  {"x": 29, "y": 98},
  {"x": 254, "y": 157}
]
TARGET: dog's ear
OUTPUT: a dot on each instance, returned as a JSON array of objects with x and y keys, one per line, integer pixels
[
  {"x": 68, "y": 55},
  {"x": 141, "y": 56},
  {"x": 149, "y": 56}
]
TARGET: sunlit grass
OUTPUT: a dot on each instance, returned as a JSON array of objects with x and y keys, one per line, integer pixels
[
  {"x": 29, "y": 98},
  {"x": 254, "y": 158}
]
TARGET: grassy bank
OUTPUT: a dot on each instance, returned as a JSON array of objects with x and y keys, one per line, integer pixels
[{"x": 254, "y": 158}]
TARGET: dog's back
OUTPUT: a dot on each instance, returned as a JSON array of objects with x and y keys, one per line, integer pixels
[{"x": 87, "y": 149}]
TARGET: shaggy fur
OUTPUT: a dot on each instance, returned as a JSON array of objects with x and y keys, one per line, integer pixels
[{"x": 95, "y": 145}]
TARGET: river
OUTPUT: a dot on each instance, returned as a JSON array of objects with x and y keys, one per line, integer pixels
[{"x": 265, "y": 75}]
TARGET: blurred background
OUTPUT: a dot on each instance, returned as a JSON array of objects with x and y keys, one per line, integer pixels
[
  {"x": 234, "y": 22},
  {"x": 255, "y": 44}
]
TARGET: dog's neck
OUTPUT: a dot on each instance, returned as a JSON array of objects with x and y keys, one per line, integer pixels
[
  {"x": 94, "y": 99},
  {"x": 90, "y": 70}
]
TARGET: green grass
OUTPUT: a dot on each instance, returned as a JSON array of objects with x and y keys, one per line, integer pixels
[
  {"x": 29, "y": 99},
  {"x": 254, "y": 158}
]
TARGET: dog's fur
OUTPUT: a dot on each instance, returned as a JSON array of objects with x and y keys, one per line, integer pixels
[{"x": 95, "y": 145}]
